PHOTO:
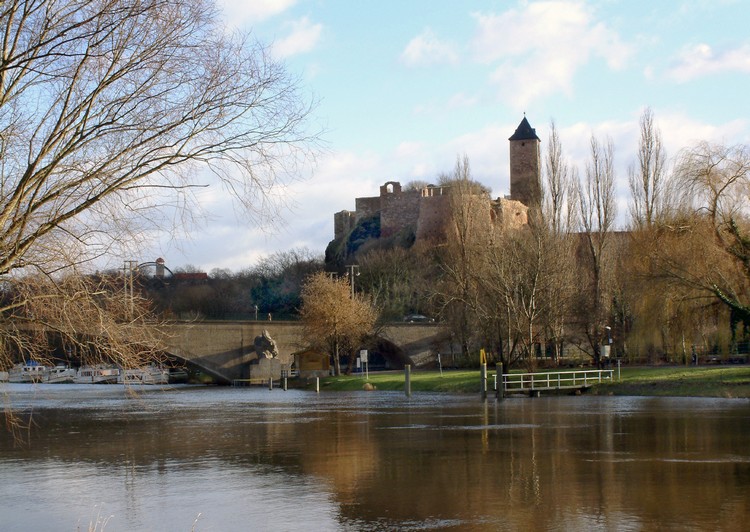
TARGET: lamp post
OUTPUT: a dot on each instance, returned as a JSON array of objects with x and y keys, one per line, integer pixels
[
  {"x": 608, "y": 347},
  {"x": 353, "y": 271},
  {"x": 129, "y": 269}
]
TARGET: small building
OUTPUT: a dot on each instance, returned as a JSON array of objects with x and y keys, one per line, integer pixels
[{"x": 311, "y": 364}]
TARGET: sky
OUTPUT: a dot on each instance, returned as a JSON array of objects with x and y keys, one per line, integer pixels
[{"x": 404, "y": 87}]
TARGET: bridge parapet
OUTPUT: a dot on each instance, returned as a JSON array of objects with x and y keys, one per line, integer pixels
[{"x": 224, "y": 349}]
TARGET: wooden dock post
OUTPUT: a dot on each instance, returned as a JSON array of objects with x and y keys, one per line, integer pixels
[
  {"x": 407, "y": 380},
  {"x": 483, "y": 376},
  {"x": 500, "y": 389}
]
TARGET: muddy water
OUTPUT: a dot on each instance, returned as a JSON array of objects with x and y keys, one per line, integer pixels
[{"x": 225, "y": 459}]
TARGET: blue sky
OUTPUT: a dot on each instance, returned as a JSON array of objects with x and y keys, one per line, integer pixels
[{"x": 405, "y": 86}]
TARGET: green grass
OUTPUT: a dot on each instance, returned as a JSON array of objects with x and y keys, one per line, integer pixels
[
  {"x": 704, "y": 381},
  {"x": 681, "y": 381},
  {"x": 465, "y": 381}
]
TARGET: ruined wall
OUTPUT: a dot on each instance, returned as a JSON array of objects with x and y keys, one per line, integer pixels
[
  {"x": 399, "y": 210},
  {"x": 343, "y": 223},
  {"x": 509, "y": 214},
  {"x": 434, "y": 215},
  {"x": 366, "y": 207}
]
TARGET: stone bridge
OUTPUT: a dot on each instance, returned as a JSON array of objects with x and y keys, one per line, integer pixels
[{"x": 224, "y": 349}]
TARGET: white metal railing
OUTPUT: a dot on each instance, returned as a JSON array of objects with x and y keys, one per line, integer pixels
[{"x": 520, "y": 382}]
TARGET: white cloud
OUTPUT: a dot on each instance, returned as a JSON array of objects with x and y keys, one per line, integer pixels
[
  {"x": 488, "y": 153},
  {"x": 427, "y": 49},
  {"x": 241, "y": 12},
  {"x": 224, "y": 241},
  {"x": 461, "y": 100},
  {"x": 680, "y": 131},
  {"x": 702, "y": 60},
  {"x": 303, "y": 38},
  {"x": 539, "y": 49},
  {"x": 408, "y": 149}
]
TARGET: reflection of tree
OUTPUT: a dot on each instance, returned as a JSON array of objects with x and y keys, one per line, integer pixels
[{"x": 547, "y": 465}]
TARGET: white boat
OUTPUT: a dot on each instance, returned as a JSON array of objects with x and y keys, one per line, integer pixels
[
  {"x": 145, "y": 375},
  {"x": 28, "y": 372},
  {"x": 60, "y": 375},
  {"x": 97, "y": 375}
]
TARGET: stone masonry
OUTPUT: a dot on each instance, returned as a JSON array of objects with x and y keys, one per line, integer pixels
[{"x": 427, "y": 211}]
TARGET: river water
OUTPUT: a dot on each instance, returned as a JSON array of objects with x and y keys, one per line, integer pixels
[{"x": 230, "y": 459}]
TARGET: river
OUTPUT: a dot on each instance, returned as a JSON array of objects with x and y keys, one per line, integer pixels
[{"x": 230, "y": 459}]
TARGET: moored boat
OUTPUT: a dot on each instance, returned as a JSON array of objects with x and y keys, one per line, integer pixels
[
  {"x": 97, "y": 375},
  {"x": 28, "y": 372},
  {"x": 60, "y": 375},
  {"x": 145, "y": 375}
]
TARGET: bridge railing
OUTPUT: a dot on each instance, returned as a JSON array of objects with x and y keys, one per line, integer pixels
[{"x": 526, "y": 382}]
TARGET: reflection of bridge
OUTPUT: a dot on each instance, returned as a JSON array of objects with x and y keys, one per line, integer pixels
[{"x": 225, "y": 348}]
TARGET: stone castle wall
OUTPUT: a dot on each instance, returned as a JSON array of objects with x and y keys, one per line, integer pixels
[
  {"x": 399, "y": 210},
  {"x": 343, "y": 222},
  {"x": 510, "y": 213},
  {"x": 428, "y": 211},
  {"x": 434, "y": 215},
  {"x": 366, "y": 207}
]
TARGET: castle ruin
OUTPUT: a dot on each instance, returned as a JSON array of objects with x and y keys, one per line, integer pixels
[{"x": 427, "y": 211}]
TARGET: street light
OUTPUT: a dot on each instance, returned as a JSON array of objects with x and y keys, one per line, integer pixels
[
  {"x": 352, "y": 273},
  {"x": 608, "y": 347},
  {"x": 129, "y": 269}
]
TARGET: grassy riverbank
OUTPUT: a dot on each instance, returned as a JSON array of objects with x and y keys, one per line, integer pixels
[{"x": 703, "y": 381}]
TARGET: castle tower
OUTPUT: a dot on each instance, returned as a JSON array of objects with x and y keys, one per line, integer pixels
[{"x": 525, "y": 174}]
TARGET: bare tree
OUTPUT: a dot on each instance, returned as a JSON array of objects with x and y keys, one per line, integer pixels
[
  {"x": 558, "y": 184},
  {"x": 110, "y": 112},
  {"x": 467, "y": 231},
  {"x": 561, "y": 216},
  {"x": 596, "y": 199},
  {"x": 397, "y": 280},
  {"x": 648, "y": 179},
  {"x": 335, "y": 318}
]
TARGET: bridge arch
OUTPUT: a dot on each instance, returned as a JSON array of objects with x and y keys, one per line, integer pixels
[{"x": 225, "y": 349}]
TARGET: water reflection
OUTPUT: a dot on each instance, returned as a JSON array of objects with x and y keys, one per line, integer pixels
[{"x": 283, "y": 460}]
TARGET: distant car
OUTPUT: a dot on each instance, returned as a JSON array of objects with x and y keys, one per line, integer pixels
[{"x": 417, "y": 318}]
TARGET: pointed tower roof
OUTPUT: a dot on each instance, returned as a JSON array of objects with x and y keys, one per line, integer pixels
[{"x": 524, "y": 131}]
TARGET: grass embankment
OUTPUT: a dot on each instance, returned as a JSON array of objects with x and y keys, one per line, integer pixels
[
  {"x": 461, "y": 381},
  {"x": 681, "y": 381}
]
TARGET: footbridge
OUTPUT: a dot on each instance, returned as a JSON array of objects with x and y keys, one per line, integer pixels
[{"x": 224, "y": 349}]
